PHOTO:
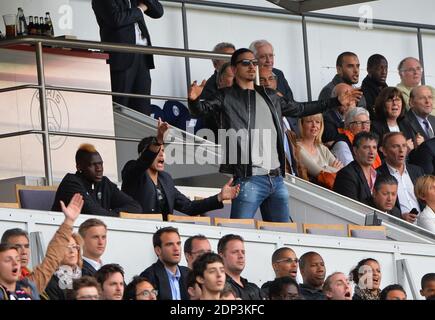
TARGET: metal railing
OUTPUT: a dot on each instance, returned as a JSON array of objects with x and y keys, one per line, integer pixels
[{"x": 45, "y": 132}]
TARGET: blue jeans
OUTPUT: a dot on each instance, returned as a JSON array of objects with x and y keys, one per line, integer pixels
[{"x": 268, "y": 193}]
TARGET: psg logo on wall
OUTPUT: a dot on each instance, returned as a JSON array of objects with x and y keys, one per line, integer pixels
[{"x": 57, "y": 114}]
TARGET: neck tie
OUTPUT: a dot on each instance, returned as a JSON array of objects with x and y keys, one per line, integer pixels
[{"x": 428, "y": 128}]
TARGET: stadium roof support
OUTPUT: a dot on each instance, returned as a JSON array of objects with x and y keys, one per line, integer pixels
[{"x": 302, "y": 6}]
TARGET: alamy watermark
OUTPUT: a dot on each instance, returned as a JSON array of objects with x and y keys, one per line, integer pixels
[{"x": 229, "y": 147}]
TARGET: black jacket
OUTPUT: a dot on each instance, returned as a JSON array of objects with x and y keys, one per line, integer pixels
[
  {"x": 371, "y": 90},
  {"x": 88, "y": 269},
  {"x": 332, "y": 121},
  {"x": 327, "y": 91},
  {"x": 102, "y": 198},
  {"x": 249, "y": 291},
  {"x": 415, "y": 125},
  {"x": 116, "y": 21},
  {"x": 352, "y": 183},
  {"x": 236, "y": 107},
  {"x": 414, "y": 173},
  {"x": 157, "y": 275},
  {"x": 394, "y": 212},
  {"x": 424, "y": 156},
  {"x": 282, "y": 85},
  {"x": 311, "y": 294},
  {"x": 137, "y": 183},
  {"x": 54, "y": 292},
  {"x": 380, "y": 127}
]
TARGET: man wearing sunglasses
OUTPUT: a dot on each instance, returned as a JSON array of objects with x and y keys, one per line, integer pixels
[{"x": 249, "y": 111}]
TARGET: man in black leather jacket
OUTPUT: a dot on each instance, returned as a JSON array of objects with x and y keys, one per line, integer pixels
[{"x": 246, "y": 109}]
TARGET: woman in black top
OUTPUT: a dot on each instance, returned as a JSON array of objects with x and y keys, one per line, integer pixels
[{"x": 390, "y": 112}]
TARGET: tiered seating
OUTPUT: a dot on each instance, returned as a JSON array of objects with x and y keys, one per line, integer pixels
[{"x": 35, "y": 197}]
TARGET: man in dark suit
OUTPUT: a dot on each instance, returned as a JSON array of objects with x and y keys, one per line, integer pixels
[
  {"x": 122, "y": 21},
  {"x": 424, "y": 156},
  {"x": 356, "y": 180},
  {"x": 419, "y": 115},
  {"x": 146, "y": 181},
  {"x": 395, "y": 148},
  {"x": 212, "y": 85},
  {"x": 94, "y": 234},
  {"x": 167, "y": 276}
]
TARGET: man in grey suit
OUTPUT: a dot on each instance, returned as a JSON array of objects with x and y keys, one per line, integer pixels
[{"x": 422, "y": 122}]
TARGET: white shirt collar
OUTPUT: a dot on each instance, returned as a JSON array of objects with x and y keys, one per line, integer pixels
[{"x": 95, "y": 264}]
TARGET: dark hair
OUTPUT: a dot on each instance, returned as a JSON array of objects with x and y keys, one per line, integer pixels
[
  {"x": 83, "y": 282},
  {"x": 363, "y": 135},
  {"x": 157, "y": 241},
  {"x": 374, "y": 60},
  {"x": 236, "y": 55},
  {"x": 105, "y": 271},
  {"x": 381, "y": 99},
  {"x": 130, "y": 289},
  {"x": 390, "y": 135},
  {"x": 84, "y": 152},
  {"x": 225, "y": 239},
  {"x": 144, "y": 144},
  {"x": 384, "y": 179},
  {"x": 303, "y": 259},
  {"x": 428, "y": 277},
  {"x": 7, "y": 246},
  {"x": 391, "y": 287},
  {"x": 15, "y": 232},
  {"x": 277, "y": 285},
  {"x": 86, "y": 225},
  {"x": 278, "y": 253},
  {"x": 342, "y": 55},
  {"x": 188, "y": 243},
  {"x": 200, "y": 264},
  {"x": 190, "y": 279},
  {"x": 354, "y": 273}
]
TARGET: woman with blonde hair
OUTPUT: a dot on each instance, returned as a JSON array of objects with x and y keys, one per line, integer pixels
[
  {"x": 425, "y": 191},
  {"x": 60, "y": 285},
  {"x": 314, "y": 155}
]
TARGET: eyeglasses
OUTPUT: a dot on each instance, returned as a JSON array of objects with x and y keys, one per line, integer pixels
[
  {"x": 361, "y": 123},
  {"x": 147, "y": 293},
  {"x": 395, "y": 100},
  {"x": 89, "y": 297},
  {"x": 288, "y": 260},
  {"x": 247, "y": 62},
  {"x": 413, "y": 70},
  {"x": 73, "y": 247}
]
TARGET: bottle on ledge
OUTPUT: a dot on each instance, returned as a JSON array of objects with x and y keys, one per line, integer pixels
[
  {"x": 50, "y": 29},
  {"x": 21, "y": 23},
  {"x": 32, "y": 27},
  {"x": 41, "y": 26}
]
